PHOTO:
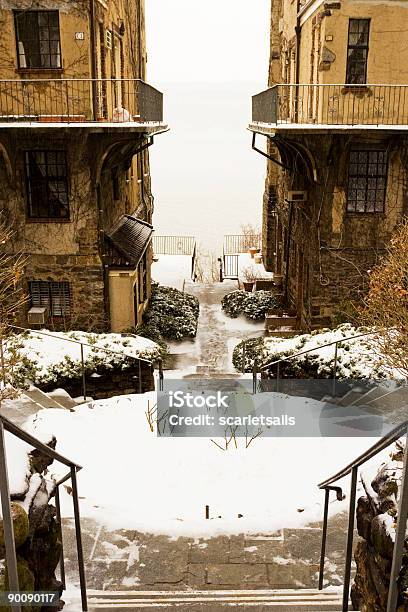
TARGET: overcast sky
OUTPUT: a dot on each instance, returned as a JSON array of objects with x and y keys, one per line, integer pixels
[{"x": 208, "y": 57}]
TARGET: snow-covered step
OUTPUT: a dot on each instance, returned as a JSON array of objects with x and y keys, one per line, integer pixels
[
  {"x": 42, "y": 399},
  {"x": 211, "y": 601}
]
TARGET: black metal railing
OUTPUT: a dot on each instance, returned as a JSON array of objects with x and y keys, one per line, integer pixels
[
  {"x": 138, "y": 360},
  {"x": 330, "y": 485},
  {"x": 80, "y": 100},
  {"x": 332, "y": 104},
  {"x": 277, "y": 363},
  {"x": 11, "y": 555}
]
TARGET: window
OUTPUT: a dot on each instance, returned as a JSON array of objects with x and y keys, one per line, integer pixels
[
  {"x": 357, "y": 51},
  {"x": 38, "y": 39},
  {"x": 367, "y": 178},
  {"x": 47, "y": 184},
  {"x": 57, "y": 296}
]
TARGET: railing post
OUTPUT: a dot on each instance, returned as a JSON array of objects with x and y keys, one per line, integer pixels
[
  {"x": 161, "y": 374},
  {"x": 350, "y": 534},
  {"x": 2, "y": 364},
  {"x": 399, "y": 536},
  {"x": 62, "y": 561},
  {"x": 277, "y": 376},
  {"x": 11, "y": 555},
  {"x": 243, "y": 356},
  {"x": 254, "y": 377},
  {"x": 83, "y": 373},
  {"x": 78, "y": 534},
  {"x": 139, "y": 375},
  {"x": 336, "y": 348},
  {"x": 324, "y": 537}
]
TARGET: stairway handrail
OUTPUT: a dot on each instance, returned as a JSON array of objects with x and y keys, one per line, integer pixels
[
  {"x": 352, "y": 468},
  {"x": 316, "y": 348},
  {"x": 391, "y": 437},
  {"x": 9, "y": 539}
]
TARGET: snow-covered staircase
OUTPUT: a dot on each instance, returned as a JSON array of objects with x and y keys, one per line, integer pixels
[{"x": 213, "y": 601}]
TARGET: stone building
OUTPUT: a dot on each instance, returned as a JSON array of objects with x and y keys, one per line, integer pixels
[
  {"x": 335, "y": 117},
  {"x": 76, "y": 121}
]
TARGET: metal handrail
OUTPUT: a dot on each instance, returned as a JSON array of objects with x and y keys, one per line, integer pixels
[
  {"x": 327, "y": 486},
  {"x": 71, "y": 100},
  {"x": 11, "y": 555},
  {"x": 316, "y": 348},
  {"x": 139, "y": 360},
  {"x": 330, "y": 104}
]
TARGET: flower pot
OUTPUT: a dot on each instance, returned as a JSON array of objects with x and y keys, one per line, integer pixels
[
  {"x": 248, "y": 286},
  {"x": 258, "y": 258},
  {"x": 252, "y": 251},
  {"x": 278, "y": 279}
]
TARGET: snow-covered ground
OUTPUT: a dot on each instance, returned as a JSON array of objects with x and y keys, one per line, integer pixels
[
  {"x": 172, "y": 270},
  {"x": 44, "y": 358},
  {"x": 133, "y": 479}
]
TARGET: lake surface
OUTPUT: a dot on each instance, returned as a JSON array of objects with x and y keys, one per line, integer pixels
[{"x": 207, "y": 181}]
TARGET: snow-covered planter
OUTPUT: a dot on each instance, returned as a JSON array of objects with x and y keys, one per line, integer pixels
[
  {"x": 45, "y": 360},
  {"x": 172, "y": 315},
  {"x": 359, "y": 359},
  {"x": 252, "y": 305}
]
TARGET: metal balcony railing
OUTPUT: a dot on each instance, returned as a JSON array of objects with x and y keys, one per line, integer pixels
[
  {"x": 174, "y": 245},
  {"x": 332, "y": 104},
  {"x": 80, "y": 100},
  {"x": 241, "y": 243},
  {"x": 11, "y": 556}
]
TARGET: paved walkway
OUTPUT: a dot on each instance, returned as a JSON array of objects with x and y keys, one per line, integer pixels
[{"x": 217, "y": 335}]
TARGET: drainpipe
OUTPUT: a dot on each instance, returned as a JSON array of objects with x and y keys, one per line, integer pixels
[
  {"x": 298, "y": 31},
  {"x": 288, "y": 243},
  {"x": 94, "y": 61}
]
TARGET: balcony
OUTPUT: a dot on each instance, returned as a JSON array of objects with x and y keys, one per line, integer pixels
[
  {"x": 113, "y": 103},
  {"x": 333, "y": 107}
]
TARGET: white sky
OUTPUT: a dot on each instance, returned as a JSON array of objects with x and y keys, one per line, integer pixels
[
  {"x": 208, "y": 40},
  {"x": 208, "y": 57}
]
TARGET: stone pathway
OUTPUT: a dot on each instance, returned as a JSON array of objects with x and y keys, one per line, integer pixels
[
  {"x": 129, "y": 560},
  {"x": 210, "y": 354}
]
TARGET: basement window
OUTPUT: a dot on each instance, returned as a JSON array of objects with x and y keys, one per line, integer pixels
[
  {"x": 357, "y": 51},
  {"x": 38, "y": 39},
  {"x": 367, "y": 179},
  {"x": 47, "y": 184},
  {"x": 56, "y": 296}
]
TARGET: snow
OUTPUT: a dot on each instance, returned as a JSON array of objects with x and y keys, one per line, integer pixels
[
  {"x": 52, "y": 355},
  {"x": 247, "y": 265},
  {"x": 172, "y": 270},
  {"x": 134, "y": 480}
]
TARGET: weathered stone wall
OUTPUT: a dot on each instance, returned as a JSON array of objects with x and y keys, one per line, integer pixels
[
  {"x": 376, "y": 518},
  {"x": 37, "y": 534}
]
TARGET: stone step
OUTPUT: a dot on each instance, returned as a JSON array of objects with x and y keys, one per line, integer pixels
[
  {"x": 42, "y": 399},
  {"x": 256, "y": 600}
]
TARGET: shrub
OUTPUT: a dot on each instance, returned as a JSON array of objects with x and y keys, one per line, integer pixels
[
  {"x": 252, "y": 305},
  {"x": 171, "y": 315}
]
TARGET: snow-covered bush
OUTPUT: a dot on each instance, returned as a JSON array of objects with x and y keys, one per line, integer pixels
[
  {"x": 355, "y": 358},
  {"x": 252, "y": 305},
  {"x": 171, "y": 315},
  {"x": 45, "y": 359}
]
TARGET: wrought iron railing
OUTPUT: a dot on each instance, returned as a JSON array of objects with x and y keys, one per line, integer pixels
[
  {"x": 138, "y": 360},
  {"x": 80, "y": 100},
  {"x": 11, "y": 555},
  {"x": 174, "y": 245},
  {"x": 241, "y": 243},
  {"x": 332, "y": 104},
  {"x": 330, "y": 485}
]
